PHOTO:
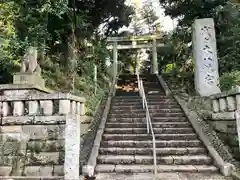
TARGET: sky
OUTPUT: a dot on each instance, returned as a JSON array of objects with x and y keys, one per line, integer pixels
[{"x": 166, "y": 22}]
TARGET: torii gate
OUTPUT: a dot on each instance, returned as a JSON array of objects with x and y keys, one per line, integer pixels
[{"x": 137, "y": 42}]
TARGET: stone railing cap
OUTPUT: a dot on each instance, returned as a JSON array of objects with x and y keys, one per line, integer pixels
[
  {"x": 23, "y": 87},
  {"x": 52, "y": 96},
  {"x": 231, "y": 92}
]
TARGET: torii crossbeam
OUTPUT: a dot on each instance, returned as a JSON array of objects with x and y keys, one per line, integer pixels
[{"x": 137, "y": 42}]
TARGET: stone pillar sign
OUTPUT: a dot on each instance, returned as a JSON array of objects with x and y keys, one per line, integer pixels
[{"x": 205, "y": 56}]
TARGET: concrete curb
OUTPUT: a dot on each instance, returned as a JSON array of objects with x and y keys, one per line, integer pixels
[
  {"x": 90, "y": 167},
  {"x": 164, "y": 85}
]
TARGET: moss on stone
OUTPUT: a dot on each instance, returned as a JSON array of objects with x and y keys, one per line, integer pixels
[
  {"x": 34, "y": 147},
  {"x": 61, "y": 157}
]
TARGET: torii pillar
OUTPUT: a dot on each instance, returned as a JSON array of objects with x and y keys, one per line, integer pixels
[
  {"x": 115, "y": 59},
  {"x": 154, "y": 63}
]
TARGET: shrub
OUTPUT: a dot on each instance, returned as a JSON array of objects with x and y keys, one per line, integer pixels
[{"x": 228, "y": 80}]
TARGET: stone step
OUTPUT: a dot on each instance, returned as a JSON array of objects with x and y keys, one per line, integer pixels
[
  {"x": 162, "y": 176},
  {"x": 124, "y": 93},
  {"x": 138, "y": 100},
  {"x": 139, "y": 106},
  {"x": 131, "y": 115},
  {"x": 150, "y": 103},
  {"x": 154, "y": 119},
  {"x": 137, "y": 111},
  {"x": 126, "y": 99},
  {"x": 149, "y": 151},
  {"x": 143, "y": 130},
  {"x": 169, "y": 119},
  {"x": 143, "y": 137},
  {"x": 159, "y": 144},
  {"x": 153, "y": 91},
  {"x": 154, "y": 124},
  {"x": 138, "y": 97},
  {"x": 168, "y": 160},
  {"x": 108, "y": 168}
]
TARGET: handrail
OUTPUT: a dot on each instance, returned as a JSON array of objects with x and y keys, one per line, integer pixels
[{"x": 148, "y": 119}]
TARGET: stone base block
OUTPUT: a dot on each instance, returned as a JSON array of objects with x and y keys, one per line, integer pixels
[
  {"x": 228, "y": 127},
  {"x": 28, "y": 78},
  {"x": 227, "y": 169},
  {"x": 5, "y": 170},
  {"x": 38, "y": 170}
]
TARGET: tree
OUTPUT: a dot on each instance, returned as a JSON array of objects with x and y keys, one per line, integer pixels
[
  {"x": 8, "y": 62},
  {"x": 188, "y": 11},
  {"x": 149, "y": 17},
  {"x": 226, "y": 16},
  {"x": 228, "y": 38},
  {"x": 60, "y": 30}
]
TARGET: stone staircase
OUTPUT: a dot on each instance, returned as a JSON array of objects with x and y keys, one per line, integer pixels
[{"x": 126, "y": 146}]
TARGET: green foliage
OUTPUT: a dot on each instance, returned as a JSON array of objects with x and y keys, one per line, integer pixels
[
  {"x": 180, "y": 82},
  {"x": 229, "y": 80},
  {"x": 228, "y": 30},
  {"x": 149, "y": 17},
  {"x": 59, "y": 79},
  {"x": 188, "y": 11},
  {"x": 145, "y": 21},
  {"x": 8, "y": 62},
  {"x": 227, "y": 20},
  {"x": 168, "y": 68},
  {"x": 60, "y": 33}
]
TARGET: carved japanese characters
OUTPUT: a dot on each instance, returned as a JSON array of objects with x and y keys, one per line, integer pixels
[{"x": 205, "y": 55}]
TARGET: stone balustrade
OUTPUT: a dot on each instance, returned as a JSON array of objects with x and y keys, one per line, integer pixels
[
  {"x": 40, "y": 105},
  {"x": 46, "y": 129},
  {"x": 225, "y": 104},
  {"x": 226, "y": 118}
]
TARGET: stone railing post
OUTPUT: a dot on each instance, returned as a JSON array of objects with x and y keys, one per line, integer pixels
[
  {"x": 72, "y": 111},
  {"x": 47, "y": 107},
  {"x": 18, "y": 108},
  {"x": 64, "y": 107},
  {"x": 5, "y": 109},
  {"x": 238, "y": 101},
  {"x": 237, "y": 116},
  {"x": 33, "y": 108}
]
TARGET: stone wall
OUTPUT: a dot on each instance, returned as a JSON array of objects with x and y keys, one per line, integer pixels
[
  {"x": 38, "y": 147},
  {"x": 199, "y": 109},
  {"x": 224, "y": 118},
  {"x": 36, "y": 131},
  {"x": 226, "y": 129},
  {"x": 201, "y": 105}
]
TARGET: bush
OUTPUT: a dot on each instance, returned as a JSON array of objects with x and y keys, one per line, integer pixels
[
  {"x": 228, "y": 80},
  {"x": 180, "y": 82}
]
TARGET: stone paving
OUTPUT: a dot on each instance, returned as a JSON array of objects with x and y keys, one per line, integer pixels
[{"x": 162, "y": 176}]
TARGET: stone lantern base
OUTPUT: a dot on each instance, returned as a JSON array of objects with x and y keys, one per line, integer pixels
[{"x": 28, "y": 79}]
